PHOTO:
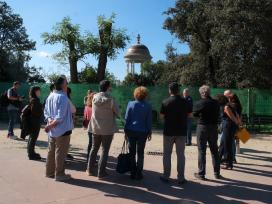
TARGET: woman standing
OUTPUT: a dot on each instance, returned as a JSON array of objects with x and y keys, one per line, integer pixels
[
  {"x": 36, "y": 114},
  {"x": 231, "y": 122},
  {"x": 138, "y": 123},
  {"x": 86, "y": 121}
]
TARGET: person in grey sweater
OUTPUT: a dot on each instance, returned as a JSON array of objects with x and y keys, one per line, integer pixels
[{"x": 103, "y": 124}]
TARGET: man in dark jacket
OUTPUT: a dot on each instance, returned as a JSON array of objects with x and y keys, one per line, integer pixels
[
  {"x": 207, "y": 111},
  {"x": 174, "y": 111}
]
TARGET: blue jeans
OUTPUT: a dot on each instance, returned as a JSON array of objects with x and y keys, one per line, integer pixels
[
  {"x": 12, "y": 114},
  {"x": 189, "y": 131},
  {"x": 137, "y": 142}
]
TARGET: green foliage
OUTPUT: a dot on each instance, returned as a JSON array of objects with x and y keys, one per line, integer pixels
[
  {"x": 230, "y": 41},
  {"x": 14, "y": 46}
]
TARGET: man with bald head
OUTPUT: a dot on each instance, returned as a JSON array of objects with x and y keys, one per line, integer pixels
[{"x": 228, "y": 93}]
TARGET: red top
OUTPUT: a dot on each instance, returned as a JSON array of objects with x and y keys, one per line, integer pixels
[{"x": 87, "y": 113}]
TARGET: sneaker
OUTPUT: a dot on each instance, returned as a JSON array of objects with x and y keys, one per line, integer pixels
[
  {"x": 35, "y": 157},
  {"x": 201, "y": 177},
  {"x": 182, "y": 182},
  {"x": 164, "y": 179},
  {"x": 65, "y": 177}
]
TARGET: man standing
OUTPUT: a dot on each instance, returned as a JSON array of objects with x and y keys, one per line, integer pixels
[
  {"x": 174, "y": 111},
  {"x": 104, "y": 112},
  {"x": 13, "y": 107},
  {"x": 59, "y": 119},
  {"x": 189, "y": 100},
  {"x": 207, "y": 111}
]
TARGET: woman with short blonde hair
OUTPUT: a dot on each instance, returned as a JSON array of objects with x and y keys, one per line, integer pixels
[{"x": 138, "y": 123}]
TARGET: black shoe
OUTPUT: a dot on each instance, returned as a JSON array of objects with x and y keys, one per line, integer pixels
[
  {"x": 132, "y": 176},
  {"x": 201, "y": 177},
  {"x": 35, "y": 157},
  {"x": 164, "y": 179},
  {"x": 182, "y": 182},
  {"x": 139, "y": 176},
  {"x": 69, "y": 156},
  {"x": 188, "y": 144},
  {"x": 218, "y": 176}
]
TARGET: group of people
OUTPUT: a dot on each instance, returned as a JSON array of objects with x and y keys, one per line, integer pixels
[{"x": 220, "y": 115}]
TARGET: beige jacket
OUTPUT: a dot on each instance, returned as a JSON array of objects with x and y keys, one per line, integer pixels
[{"x": 105, "y": 110}]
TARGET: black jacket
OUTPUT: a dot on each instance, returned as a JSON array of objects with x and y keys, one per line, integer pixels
[{"x": 207, "y": 110}]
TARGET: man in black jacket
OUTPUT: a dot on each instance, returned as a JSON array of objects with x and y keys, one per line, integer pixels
[{"x": 207, "y": 111}]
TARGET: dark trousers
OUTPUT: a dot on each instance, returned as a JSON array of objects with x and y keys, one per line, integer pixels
[
  {"x": 189, "y": 131},
  {"x": 98, "y": 140},
  {"x": 90, "y": 135},
  {"x": 207, "y": 134},
  {"x": 137, "y": 141},
  {"x": 32, "y": 141},
  {"x": 12, "y": 114},
  {"x": 226, "y": 146}
]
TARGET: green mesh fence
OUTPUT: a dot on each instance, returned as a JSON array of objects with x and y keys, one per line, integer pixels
[{"x": 254, "y": 102}]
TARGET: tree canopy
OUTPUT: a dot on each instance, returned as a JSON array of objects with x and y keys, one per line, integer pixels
[
  {"x": 14, "y": 47},
  {"x": 230, "y": 41}
]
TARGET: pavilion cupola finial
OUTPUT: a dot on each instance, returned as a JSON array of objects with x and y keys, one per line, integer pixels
[{"x": 138, "y": 39}]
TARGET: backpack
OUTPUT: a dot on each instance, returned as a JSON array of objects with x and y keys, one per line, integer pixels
[
  {"x": 4, "y": 101},
  {"x": 25, "y": 114}
]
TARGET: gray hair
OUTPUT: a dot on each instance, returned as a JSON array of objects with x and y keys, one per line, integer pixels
[
  {"x": 204, "y": 91},
  {"x": 185, "y": 90}
]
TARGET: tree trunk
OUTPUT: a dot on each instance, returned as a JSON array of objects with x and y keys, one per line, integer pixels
[
  {"x": 73, "y": 69},
  {"x": 73, "y": 62},
  {"x": 104, "y": 35}
]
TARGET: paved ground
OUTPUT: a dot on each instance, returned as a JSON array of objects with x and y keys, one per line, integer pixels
[{"x": 23, "y": 182}]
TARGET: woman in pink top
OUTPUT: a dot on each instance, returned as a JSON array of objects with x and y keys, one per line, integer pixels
[{"x": 87, "y": 119}]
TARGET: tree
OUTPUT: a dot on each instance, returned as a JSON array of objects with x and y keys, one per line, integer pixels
[
  {"x": 89, "y": 75},
  {"x": 110, "y": 41},
  {"x": 14, "y": 46},
  {"x": 75, "y": 45},
  {"x": 230, "y": 41}
]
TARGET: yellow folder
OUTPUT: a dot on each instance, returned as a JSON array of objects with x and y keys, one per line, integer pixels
[{"x": 243, "y": 135}]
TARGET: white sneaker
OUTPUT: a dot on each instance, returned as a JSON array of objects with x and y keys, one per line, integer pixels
[{"x": 13, "y": 137}]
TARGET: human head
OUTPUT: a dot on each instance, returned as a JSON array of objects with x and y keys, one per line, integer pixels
[
  {"x": 235, "y": 99},
  {"x": 35, "y": 92},
  {"x": 105, "y": 86},
  {"x": 16, "y": 84},
  {"x": 204, "y": 91},
  {"x": 222, "y": 100},
  {"x": 52, "y": 87},
  {"x": 186, "y": 92},
  {"x": 89, "y": 92},
  {"x": 140, "y": 93},
  {"x": 173, "y": 88},
  {"x": 89, "y": 101},
  {"x": 228, "y": 93},
  {"x": 61, "y": 84}
]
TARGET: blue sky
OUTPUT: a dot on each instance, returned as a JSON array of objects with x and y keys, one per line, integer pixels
[{"x": 140, "y": 16}]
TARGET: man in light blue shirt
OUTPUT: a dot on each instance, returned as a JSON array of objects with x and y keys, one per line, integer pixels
[{"x": 59, "y": 127}]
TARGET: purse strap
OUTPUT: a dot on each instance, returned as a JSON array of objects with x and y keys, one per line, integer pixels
[{"x": 125, "y": 147}]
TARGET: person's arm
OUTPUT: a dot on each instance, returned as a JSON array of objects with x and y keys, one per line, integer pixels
[
  {"x": 127, "y": 116},
  {"x": 197, "y": 109},
  {"x": 162, "y": 112},
  {"x": 12, "y": 98},
  {"x": 149, "y": 123},
  {"x": 115, "y": 108},
  {"x": 230, "y": 114},
  {"x": 72, "y": 106}
]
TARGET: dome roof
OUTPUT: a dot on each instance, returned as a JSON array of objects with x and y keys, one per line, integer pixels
[{"x": 138, "y": 53}]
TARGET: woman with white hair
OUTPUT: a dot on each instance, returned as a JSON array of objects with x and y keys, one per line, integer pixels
[{"x": 207, "y": 112}]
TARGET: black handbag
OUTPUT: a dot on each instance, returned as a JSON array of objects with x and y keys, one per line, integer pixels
[{"x": 123, "y": 163}]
